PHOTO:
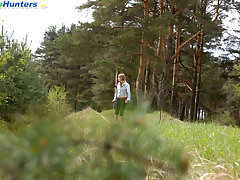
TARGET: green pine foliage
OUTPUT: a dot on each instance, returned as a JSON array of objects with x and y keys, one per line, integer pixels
[
  {"x": 21, "y": 85},
  {"x": 66, "y": 64}
]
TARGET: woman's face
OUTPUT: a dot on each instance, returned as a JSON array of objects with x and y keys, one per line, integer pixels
[{"x": 119, "y": 79}]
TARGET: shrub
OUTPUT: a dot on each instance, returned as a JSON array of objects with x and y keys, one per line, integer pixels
[{"x": 57, "y": 100}]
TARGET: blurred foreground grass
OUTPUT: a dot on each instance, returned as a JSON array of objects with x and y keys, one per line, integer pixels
[
  {"x": 87, "y": 145},
  {"x": 91, "y": 145}
]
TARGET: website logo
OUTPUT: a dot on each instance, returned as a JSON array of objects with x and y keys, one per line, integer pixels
[{"x": 18, "y": 5}]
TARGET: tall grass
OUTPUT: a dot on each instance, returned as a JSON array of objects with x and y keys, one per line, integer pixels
[{"x": 214, "y": 150}]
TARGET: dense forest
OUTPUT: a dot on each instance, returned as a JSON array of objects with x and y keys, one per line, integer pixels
[{"x": 165, "y": 48}]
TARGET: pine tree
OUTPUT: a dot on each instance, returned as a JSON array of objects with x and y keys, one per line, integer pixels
[
  {"x": 66, "y": 63},
  {"x": 21, "y": 85}
]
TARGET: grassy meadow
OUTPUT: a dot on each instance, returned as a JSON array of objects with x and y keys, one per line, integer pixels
[
  {"x": 92, "y": 145},
  {"x": 213, "y": 149}
]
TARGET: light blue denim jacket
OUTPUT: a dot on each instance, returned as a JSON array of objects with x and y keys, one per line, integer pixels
[{"x": 123, "y": 91}]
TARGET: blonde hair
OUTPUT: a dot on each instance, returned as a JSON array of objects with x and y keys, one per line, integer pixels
[{"x": 122, "y": 77}]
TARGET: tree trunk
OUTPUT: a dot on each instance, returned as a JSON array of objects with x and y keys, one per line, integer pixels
[
  {"x": 198, "y": 114},
  {"x": 162, "y": 88},
  {"x": 161, "y": 41},
  {"x": 140, "y": 77},
  {"x": 205, "y": 115},
  {"x": 175, "y": 74},
  {"x": 194, "y": 84},
  {"x": 159, "y": 53},
  {"x": 154, "y": 78},
  {"x": 187, "y": 111},
  {"x": 147, "y": 80},
  {"x": 182, "y": 114},
  {"x": 159, "y": 50},
  {"x": 116, "y": 79},
  {"x": 199, "y": 59},
  {"x": 180, "y": 104}
]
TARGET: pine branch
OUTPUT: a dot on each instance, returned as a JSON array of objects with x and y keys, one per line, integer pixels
[
  {"x": 186, "y": 69},
  {"x": 114, "y": 44},
  {"x": 217, "y": 10},
  {"x": 121, "y": 27},
  {"x": 136, "y": 17},
  {"x": 186, "y": 42},
  {"x": 187, "y": 83},
  {"x": 151, "y": 47},
  {"x": 135, "y": 4},
  {"x": 123, "y": 54}
]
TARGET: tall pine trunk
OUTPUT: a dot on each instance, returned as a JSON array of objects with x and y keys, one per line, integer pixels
[
  {"x": 194, "y": 84},
  {"x": 140, "y": 77},
  {"x": 175, "y": 73},
  {"x": 197, "y": 67},
  {"x": 162, "y": 88},
  {"x": 198, "y": 77},
  {"x": 159, "y": 53},
  {"x": 199, "y": 59},
  {"x": 147, "y": 81}
]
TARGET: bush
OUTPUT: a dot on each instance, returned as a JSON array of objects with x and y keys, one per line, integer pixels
[{"x": 57, "y": 100}]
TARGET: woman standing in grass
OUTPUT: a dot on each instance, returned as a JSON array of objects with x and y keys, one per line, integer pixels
[{"x": 122, "y": 95}]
